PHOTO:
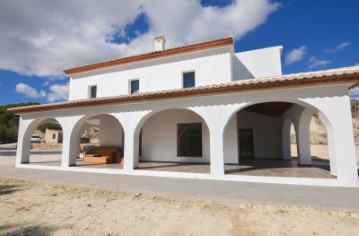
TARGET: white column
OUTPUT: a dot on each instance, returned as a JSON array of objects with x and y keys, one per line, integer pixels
[
  {"x": 131, "y": 149},
  {"x": 216, "y": 118},
  {"x": 341, "y": 141},
  {"x": 70, "y": 142},
  {"x": 335, "y": 113},
  {"x": 286, "y": 152},
  {"x": 216, "y": 148},
  {"x": 131, "y": 123},
  {"x": 23, "y": 143},
  {"x": 303, "y": 138}
]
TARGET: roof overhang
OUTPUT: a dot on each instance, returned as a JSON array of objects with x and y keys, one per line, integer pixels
[
  {"x": 153, "y": 55},
  {"x": 348, "y": 75}
]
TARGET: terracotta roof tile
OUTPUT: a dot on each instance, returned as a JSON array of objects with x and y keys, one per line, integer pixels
[
  {"x": 340, "y": 75},
  {"x": 152, "y": 55}
]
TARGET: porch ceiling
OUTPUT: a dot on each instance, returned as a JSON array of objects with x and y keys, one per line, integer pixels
[{"x": 270, "y": 108}]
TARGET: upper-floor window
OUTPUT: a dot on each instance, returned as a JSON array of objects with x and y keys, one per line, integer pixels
[
  {"x": 135, "y": 86},
  {"x": 188, "y": 79},
  {"x": 93, "y": 91}
]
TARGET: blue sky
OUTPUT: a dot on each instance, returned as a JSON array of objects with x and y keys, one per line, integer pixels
[{"x": 36, "y": 44}]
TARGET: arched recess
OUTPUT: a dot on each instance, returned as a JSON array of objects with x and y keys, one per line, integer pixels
[
  {"x": 164, "y": 138},
  {"x": 49, "y": 153},
  {"x": 111, "y": 134},
  {"x": 267, "y": 123}
]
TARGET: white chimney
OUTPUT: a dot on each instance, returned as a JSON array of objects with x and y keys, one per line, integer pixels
[{"x": 160, "y": 43}]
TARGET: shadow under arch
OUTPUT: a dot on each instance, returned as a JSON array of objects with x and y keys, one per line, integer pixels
[
  {"x": 286, "y": 123},
  {"x": 26, "y": 142},
  {"x": 95, "y": 120},
  {"x": 168, "y": 119}
]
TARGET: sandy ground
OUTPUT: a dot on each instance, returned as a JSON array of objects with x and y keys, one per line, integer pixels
[{"x": 35, "y": 208}]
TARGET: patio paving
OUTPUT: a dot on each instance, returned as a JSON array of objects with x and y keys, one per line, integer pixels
[{"x": 252, "y": 167}]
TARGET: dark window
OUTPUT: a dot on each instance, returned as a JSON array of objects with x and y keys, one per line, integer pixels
[
  {"x": 135, "y": 86},
  {"x": 189, "y": 140},
  {"x": 246, "y": 148},
  {"x": 93, "y": 91},
  {"x": 188, "y": 80},
  {"x": 53, "y": 136}
]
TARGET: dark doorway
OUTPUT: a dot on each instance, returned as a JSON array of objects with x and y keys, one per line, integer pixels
[{"x": 245, "y": 138}]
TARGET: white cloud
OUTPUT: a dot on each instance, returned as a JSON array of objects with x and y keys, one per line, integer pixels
[
  {"x": 295, "y": 55},
  {"x": 29, "y": 91},
  {"x": 55, "y": 35},
  {"x": 59, "y": 92},
  {"x": 338, "y": 48},
  {"x": 314, "y": 62}
]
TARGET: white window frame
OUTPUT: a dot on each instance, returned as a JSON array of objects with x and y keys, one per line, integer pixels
[
  {"x": 89, "y": 91},
  {"x": 130, "y": 87}
]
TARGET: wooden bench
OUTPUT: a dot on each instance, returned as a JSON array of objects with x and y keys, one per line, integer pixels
[{"x": 103, "y": 155}]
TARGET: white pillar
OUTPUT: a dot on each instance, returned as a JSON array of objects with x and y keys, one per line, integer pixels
[
  {"x": 70, "y": 142},
  {"x": 286, "y": 151},
  {"x": 216, "y": 118},
  {"x": 131, "y": 123},
  {"x": 303, "y": 138},
  {"x": 216, "y": 148},
  {"x": 335, "y": 113},
  {"x": 341, "y": 141},
  {"x": 23, "y": 143}
]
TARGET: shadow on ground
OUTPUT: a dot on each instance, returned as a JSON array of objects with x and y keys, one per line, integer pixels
[
  {"x": 26, "y": 230},
  {"x": 8, "y": 189}
]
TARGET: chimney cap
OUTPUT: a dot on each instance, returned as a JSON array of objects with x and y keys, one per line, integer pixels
[
  {"x": 160, "y": 43},
  {"x": 159, "y": 37}
]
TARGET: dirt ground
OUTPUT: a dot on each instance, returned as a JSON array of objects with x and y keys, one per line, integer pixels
[{"x": 34, "y": 208}]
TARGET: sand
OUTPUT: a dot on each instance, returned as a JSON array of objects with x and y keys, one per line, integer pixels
[{"x": 38, "y": 208}]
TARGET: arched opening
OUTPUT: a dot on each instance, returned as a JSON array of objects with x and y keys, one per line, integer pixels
[
  {"x": 175, "y": 140},
  {"x": 42, "y": 142},
  {"x": 319, "y": 142},
  {"x": 264, "y": 143},
  {"x": 97, "y": 141}
]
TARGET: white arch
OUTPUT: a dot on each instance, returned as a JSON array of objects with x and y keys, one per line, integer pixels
[
  {"x": 141, "y": 123},
  {"x": 74, "y": 137},
  {"x": 26, "y": 130}
]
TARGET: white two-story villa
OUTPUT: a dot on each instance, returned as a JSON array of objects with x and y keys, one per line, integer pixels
[{"x": 203, "y": 105}]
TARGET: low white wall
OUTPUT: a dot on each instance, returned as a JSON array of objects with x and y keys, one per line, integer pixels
[
  {"x": 159, "y": 136},
  {"x": 267, "y": 133},
  {"x": 257, "y": 63}
]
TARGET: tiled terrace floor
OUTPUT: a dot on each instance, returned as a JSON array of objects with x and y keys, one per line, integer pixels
[{"x": 252, "y": 167}]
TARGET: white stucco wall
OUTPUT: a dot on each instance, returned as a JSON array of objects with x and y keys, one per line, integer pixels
[
  {"x": 159, "y": 136},
  {"x": 267, "y": 133},
  {"x": 211, "y": 66},
  {"x": 111, "y": 132},
  {"x": 257, "y": 63}
]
